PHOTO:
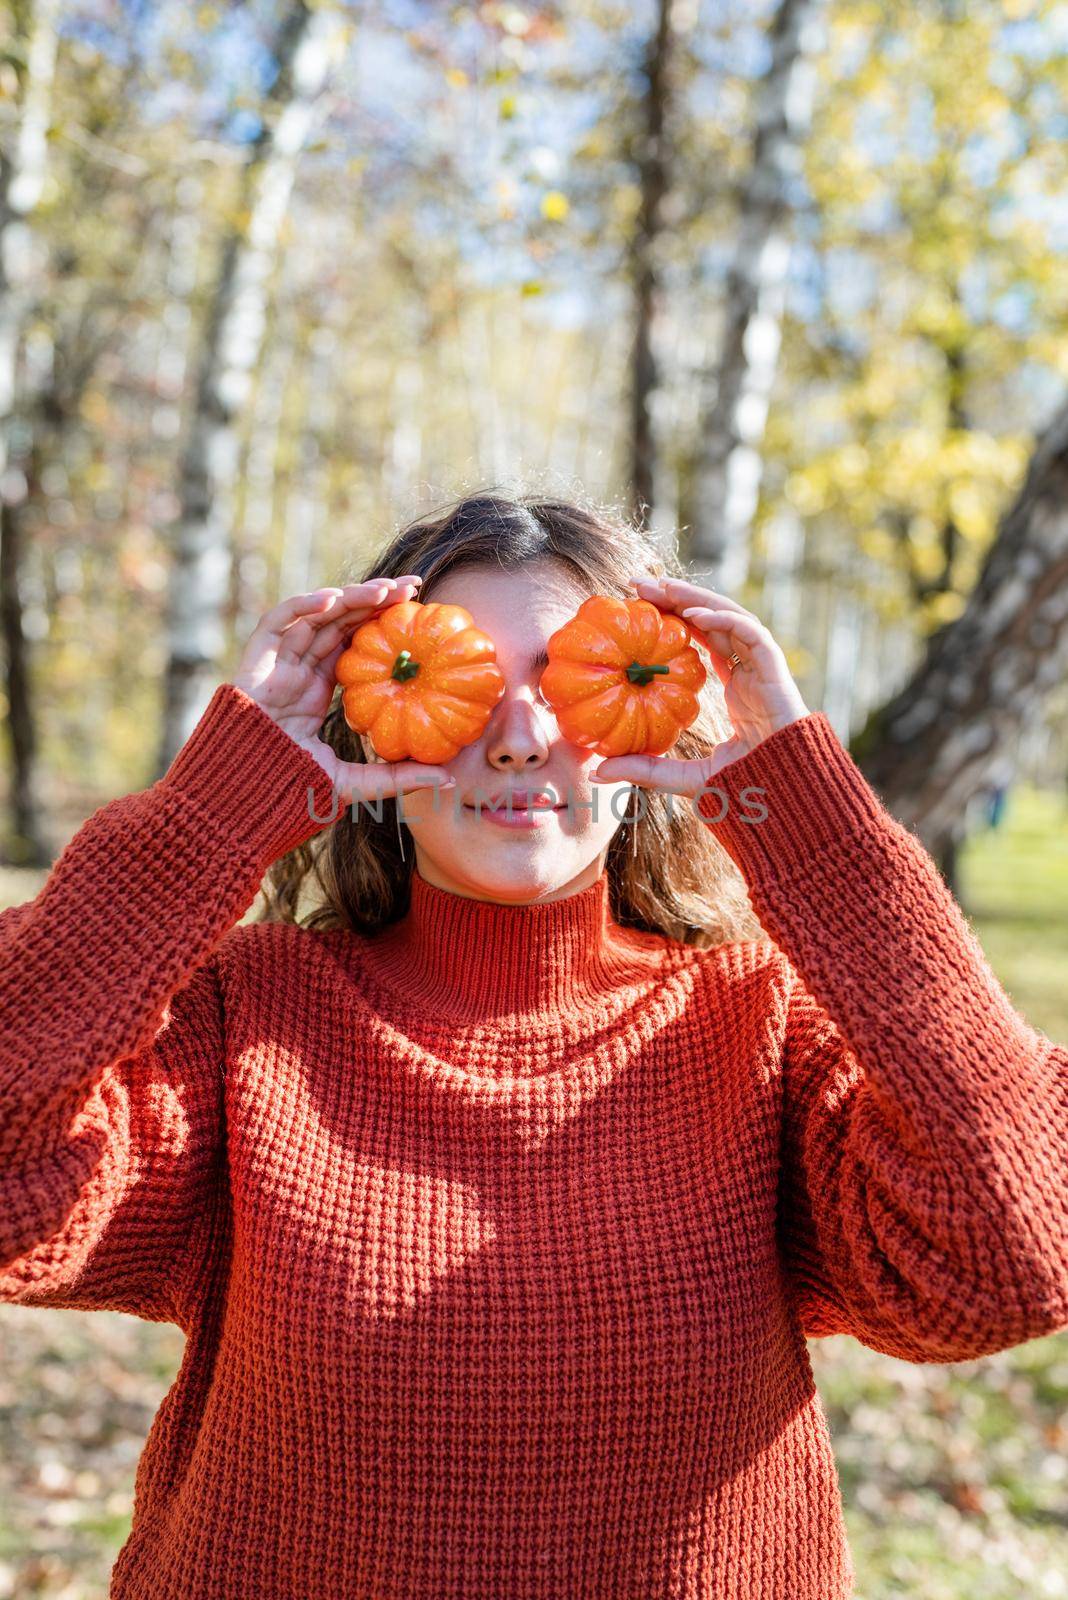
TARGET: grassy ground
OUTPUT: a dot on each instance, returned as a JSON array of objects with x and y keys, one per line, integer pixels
[
  {"x": 954, "y": 1479},
  {"x": 1015, "y": 889}
]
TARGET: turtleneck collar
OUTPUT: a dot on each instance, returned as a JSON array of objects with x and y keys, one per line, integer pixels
[{"x": 476, "y": 959}]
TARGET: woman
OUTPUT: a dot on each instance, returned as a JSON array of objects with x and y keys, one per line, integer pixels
[{"x": 498, "y": 1188}]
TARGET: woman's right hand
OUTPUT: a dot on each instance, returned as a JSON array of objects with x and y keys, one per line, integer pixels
[{"x": 287, "y": 667}]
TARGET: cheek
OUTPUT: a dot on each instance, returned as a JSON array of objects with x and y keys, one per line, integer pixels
[{"x": 429, "y": 807}]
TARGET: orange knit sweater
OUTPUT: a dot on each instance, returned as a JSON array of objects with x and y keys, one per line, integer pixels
[{"x": 496, "y": 1238}]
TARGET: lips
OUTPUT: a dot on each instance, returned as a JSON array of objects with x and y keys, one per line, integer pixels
[{"x": 521, "y": 800}]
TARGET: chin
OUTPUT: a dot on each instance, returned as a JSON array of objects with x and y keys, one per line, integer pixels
[
  {"x": 518, "y": 880},
  {"x": 519, "y": 884}
]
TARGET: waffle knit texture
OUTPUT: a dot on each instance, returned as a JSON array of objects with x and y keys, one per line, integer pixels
[{"x": 497, "y": 1237}]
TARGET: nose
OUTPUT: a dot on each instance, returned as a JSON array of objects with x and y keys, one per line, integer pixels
[{"x": 516, "y": 736}]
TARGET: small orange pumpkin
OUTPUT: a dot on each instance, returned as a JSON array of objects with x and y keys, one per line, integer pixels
[
  {"x": 420, "y": 680},
  {"x": 622, "y": 677}
]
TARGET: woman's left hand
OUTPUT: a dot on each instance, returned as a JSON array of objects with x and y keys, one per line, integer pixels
[{"x": 760, "y": 694}]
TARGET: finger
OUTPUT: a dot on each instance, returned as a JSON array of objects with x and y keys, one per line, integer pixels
[
  {"x": 357, "y": 594},
  {"x": 261, "y": 647},
  {"x": 373, "y": 780},
  {"x": 372, "y": 592},
  {"x": 718, "y": 641},
  {"x": 652, "y": 772},
  {"x": 326, "y": 665},
  {"x": 322, "y": 604},
  {"x": 344, "y": 622},
  {"x": 678, "y": 592},
  {"x": 318, "y": 604},
  {"x": 296, "y": 639},
  {"x": 311, "y": 638},
  {"x": 717, "y": 630},
  {"x": 743, "y": 634},
  {"x": 279, "y": 617},
  {"x": 330, "y": 640}
]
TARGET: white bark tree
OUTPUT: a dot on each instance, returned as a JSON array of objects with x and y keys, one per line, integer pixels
[
  {"x": 736, "y": 389},
  {"x": 232, "y": 343}
]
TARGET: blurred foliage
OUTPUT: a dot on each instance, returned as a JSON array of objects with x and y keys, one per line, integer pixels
[{"x": 451, "y": 302}]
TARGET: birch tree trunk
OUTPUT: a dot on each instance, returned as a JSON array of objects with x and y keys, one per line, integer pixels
[
  {"x": 173, "y": 348},
  {"x": 646, "y": 268},
  {"x": 252, "y": 535},
  {"x": 736, "y": 390},
  {"x": 232, "y": 341},
  {"x": 22, "y": 177},
  {"x": 307, "y": 507},
  {"x": 985, "y": 675}
]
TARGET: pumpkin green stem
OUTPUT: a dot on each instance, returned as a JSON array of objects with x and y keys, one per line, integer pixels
[
  {"x": 638, "y": 672},
  {"x": 404, "y": 667}
]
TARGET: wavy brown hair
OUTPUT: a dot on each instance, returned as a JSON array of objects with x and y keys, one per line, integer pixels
[{"x": 666, "y": 871}]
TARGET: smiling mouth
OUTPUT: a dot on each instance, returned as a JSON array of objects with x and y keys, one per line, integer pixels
[{"x": 516, "y": 806}]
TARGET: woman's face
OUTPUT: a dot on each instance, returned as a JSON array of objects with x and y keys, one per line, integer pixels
[{"x": 543, "y": 853}]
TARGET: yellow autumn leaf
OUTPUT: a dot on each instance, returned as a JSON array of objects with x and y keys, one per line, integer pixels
[
  {"x": 971, "y": 509},
  {"x": 878, "y": 543},
  {"x": 944, "y": 607},
  {"x": 555, "y": 206},
  {"x": 804, "y": 492},
  {"x": 457, "y": 77}
]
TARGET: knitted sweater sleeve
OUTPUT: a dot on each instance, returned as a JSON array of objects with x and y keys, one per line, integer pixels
[
  {"x": 923, "y": 1195},
  {"x": 111, "y": 1019}
]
